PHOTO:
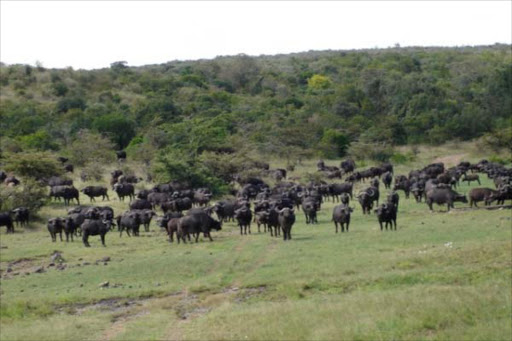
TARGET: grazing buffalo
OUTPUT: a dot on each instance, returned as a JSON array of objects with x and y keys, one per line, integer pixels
[
  {"x": 443, "y": 196},
  {"x": 140, "y": 204},
  {"x": 69, "y": 168},
  {"x": 286, "y": 218},
  {"x": 6, "y": 220},
  {"x": 92, "y": 227},
  {"x": 404, "y": 185},
  {"x": 68, "y": 193},
  {"x": 157, "y": 198},
  {"x": 124, "y": 190},
  {"x": 341, "y": 215},
  {"x": 225, "y": 210},
  {"x": 145, "y": 217},
  {"x": 366, "y": 202},
  {"x": 172, "y": 228},
  {"x": 504, "y": 192},
  {"x": 20, "y": 215},
  {"x": 348, "y": 165},
  {"x": 196, "y": 222},
  {"x": 62, "y": 159},
  {"x": 337, "y": 189},
  {"x": 481, "y": 194},
  {"x": 95, "y": 191},
  {"x": 471, "y": 177},
  {"x": 121, "y": 155},
  {"x": 74, "y": 223},
  {"x": 129, "y": 220},
  {"x": 11, "y": 181}
]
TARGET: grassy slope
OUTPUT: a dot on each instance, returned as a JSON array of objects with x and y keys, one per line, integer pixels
[{"x": 440, "y": 276}]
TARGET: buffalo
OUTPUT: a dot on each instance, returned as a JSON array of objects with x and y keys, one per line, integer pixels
[
  {"x": 92, "y": 227},
  {"x": 443, "y": 196},
  {"x": 20, "y": 215},
  {"x": 6, "y": 220},
  {"x": 286, "y": 220},
  {"x": 341, "y": 215},
  {"x": 124, "y": 190},
  {"x": 95, "y": 191}
]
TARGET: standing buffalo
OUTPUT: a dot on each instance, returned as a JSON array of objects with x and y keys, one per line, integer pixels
[
  {"x": 442, "y": 196},
  {"x": 21, "y": 215},
  {"x": 121, "y": 155},
  {"x": 481, "y": 194},
  {"x": 129, "y": 220},
  {"x": 92, "y": 227},
  {"x": 341, "y": 215},
  {"x": 286, "y": 220},
  {"x": 386, "y": 213},
  {"x": 55, "y": 227},
  {"x": 195, "y": 222},
  {"x": 95, "y": 191},
  {"x": 6, "y": 220},
  {"x": 124, "y": 190},
  {"x": 244, "y": 216}
]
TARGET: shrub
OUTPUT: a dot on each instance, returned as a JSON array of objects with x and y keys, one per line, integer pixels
[
  {"x": 33, "y": 165},
  {"x": 29, "y": 194},
  {"x": 185, "y": 168}
]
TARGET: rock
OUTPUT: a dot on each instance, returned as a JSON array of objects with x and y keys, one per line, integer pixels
[
  {"x": 81, "y": 285},
  {"x": 104, "y": 284},
  {"x": 51, "y": 264},
  {"x": 105, "y": 259},
  {"x": 9, "y": 270},
  {"x": 39, "y": 270},
  {"x": 61, "y": 267},
  {"x": 86, "y": 263},
  {"x": 56, "y": 257}
]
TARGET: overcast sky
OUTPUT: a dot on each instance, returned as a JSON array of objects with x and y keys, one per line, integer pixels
[{"x": 93, "y": 34}]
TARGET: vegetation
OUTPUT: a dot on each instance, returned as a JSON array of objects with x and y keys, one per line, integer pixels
[
  {"x": 439, "y": 276},
  {"x": 315, "y": 102}
]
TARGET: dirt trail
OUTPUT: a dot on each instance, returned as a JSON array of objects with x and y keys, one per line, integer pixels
[{"x": 451, "y": 160}]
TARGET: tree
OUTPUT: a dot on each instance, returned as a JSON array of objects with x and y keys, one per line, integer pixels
[
  {"x": 120, "y": 129},
  {"x": 90, "y": 147},
  {"x": 319, "y": 82}
]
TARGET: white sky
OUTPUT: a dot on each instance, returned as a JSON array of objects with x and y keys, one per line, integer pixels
[{"x": 92, "y": 34}]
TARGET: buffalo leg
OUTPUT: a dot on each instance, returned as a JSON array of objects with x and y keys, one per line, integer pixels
[
  {"x": 103, "y": 239},
  {"x": 336, "y": 225},
  {"x": 85, "y": 238}
]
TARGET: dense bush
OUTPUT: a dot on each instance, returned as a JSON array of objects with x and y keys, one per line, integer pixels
[
  {"x": 29, "y": 194},
  {"x": 313, "y": 103},
  {"x": 37, "y": 166}
]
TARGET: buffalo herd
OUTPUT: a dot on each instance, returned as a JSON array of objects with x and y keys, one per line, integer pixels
[{"x": 187, "y": 213}]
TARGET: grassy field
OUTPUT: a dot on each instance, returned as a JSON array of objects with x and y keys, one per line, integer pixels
[{"x": 439, "y": 276}]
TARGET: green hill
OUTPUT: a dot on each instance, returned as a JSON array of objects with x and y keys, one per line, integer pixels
[{"x": 313, "y": 102}]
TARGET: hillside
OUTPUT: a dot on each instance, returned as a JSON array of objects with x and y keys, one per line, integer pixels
[{"x": 307, "y": 103}]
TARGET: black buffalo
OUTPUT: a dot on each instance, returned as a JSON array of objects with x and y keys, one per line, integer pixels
[
  {"x": 341, "y": 215},
  {"x": 95, "y": 191},
  {"x": 92, "y": 227}
]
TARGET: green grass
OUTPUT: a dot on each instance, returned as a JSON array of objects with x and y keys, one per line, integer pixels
[{"x": 440, "y": 276}]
